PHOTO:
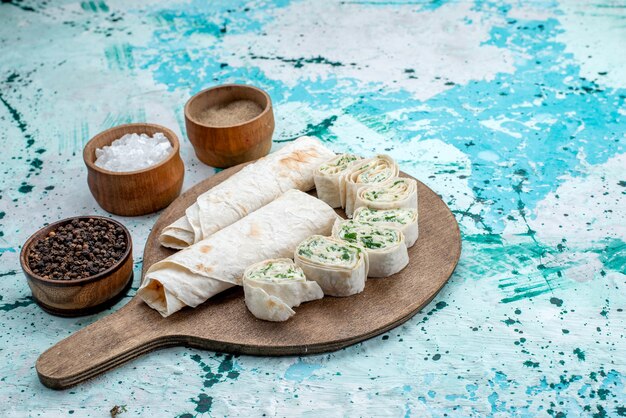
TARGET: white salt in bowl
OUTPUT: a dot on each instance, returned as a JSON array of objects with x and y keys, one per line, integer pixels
[{"x": 138, "y": 192}]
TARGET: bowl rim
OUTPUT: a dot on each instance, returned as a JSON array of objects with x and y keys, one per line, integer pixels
[
  {"x": 169, "y": 134},
  {"x": 266, "y": 109},
  {"x": 73, "y": 282}
]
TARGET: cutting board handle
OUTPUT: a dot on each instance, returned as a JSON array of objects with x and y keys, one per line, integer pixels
[{"x": 101, "y": 346}]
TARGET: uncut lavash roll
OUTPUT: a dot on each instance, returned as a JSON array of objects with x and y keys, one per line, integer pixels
[
  {"x": 179, "y": 234},
  {"x": 273, "y": 287},
  {"x": 338, "y": 267},
  {"x": 255, "y": 185},
  {"x": 377, "y": 170},
  {"x": 328, "y": 177},
  {"x": 400, "y": 192},
  {"x": 403, "y": 218},
  {"x": 385, "y": 246},
  {"x": 204, "y": 269}
]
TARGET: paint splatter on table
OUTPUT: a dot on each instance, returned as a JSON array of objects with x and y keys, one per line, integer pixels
[{"x": 512, "y": 111}]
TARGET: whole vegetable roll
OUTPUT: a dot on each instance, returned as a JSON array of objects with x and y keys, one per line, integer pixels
[
  {"x": 403, "y": 218},
  {"x": 398, "y": 193},
  {"x": 378, "y": 170},
  {"x": 273, "y": 287},
  {"x": 384, "y": 245},
  {"x": 328, "y": 175},
  {"x": 195, "y": 274},
  {"x": 338, "y": 267},
  {"x": 255, "y": 185}
]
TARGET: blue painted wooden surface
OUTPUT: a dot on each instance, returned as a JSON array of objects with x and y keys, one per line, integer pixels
[{"x": 513, "y": 111}]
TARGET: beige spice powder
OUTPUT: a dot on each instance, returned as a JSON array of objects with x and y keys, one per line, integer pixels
[{"x": 233, "y": 113}]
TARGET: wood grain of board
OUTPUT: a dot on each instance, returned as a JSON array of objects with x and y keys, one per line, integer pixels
[{"x": 224, "y": 324}]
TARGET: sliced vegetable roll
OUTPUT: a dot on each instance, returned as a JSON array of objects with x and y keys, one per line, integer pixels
[
  {"x": 328, "y": 175},
  {"x": 273, "y": 287},
  {"x": 378, "y": 170},
  {"x": 398, "y": 193},
  {"x": 403, "y": 218},
  {"x": 385, "y": 246},
  {"x": 338, "y": 267}
]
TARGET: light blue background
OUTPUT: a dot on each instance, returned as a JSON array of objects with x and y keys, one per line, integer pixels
[{"x": 512, "y": 111}]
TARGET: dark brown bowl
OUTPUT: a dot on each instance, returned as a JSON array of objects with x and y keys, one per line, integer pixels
[
  {"x": 226, "y": 146},
  {"x": 140, "y": 192},
  {"x": 79, "y": 296}
]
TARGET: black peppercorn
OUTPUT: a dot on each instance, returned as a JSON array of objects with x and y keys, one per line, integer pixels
[{"x": 78, "y": 250}]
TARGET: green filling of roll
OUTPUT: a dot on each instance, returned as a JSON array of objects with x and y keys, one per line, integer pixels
[
  {"x": 372, "y": 176},
  {"x": 375, "y": 171},
  {"x": 398, "y": 216},
  {"x": 369, "y": 236},
  {"x": 324, "y": 251},
  {"x": 277, "y": 270},
  {"x": 339, "y": 165},
  {"x": 394, "y": 192}
]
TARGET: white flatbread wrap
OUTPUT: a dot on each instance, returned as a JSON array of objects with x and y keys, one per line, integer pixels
[
  {"x": 399, "y": 193},
  {"x": 384, "y": 245},
  {"x": 377, "y": 170},
  {"x": 179, "y": 234},
  {"x": 328, "y": 176},
  {"x": 403, "y": 218},
  {"x": 195, "y": 274},
  {"x": 257, "y": 184},
  {"x": 272, "y": 287},
  {"x": 338, "y": 267}
]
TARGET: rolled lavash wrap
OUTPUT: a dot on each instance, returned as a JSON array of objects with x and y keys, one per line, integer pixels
[
  {"x": 179, "y": 234},
  {"x": 400, "y": 192},
  {"x": 338, "y": 267},
  {"x": 253, "y": 186},
  {"x": 377, "y": 170},
  {"x": 272, "y": 287},
  {"x": 202, "y": 270},
  {"x": 385, "y": 247},
  {"x": 403, "y": 218},
  {"x": 328, "y": 176}
]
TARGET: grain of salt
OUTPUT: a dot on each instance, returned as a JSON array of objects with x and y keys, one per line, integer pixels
[{"x": 133, "y": 152}]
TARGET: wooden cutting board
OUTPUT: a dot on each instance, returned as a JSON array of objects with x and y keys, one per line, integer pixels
[{"x": 224, "y": 324}]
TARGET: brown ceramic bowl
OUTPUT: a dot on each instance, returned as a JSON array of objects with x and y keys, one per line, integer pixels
[
  {"x": 79, "y": 296},
  {"x": 138, "y": 192},
  {"x": 226, "y": 146}
]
